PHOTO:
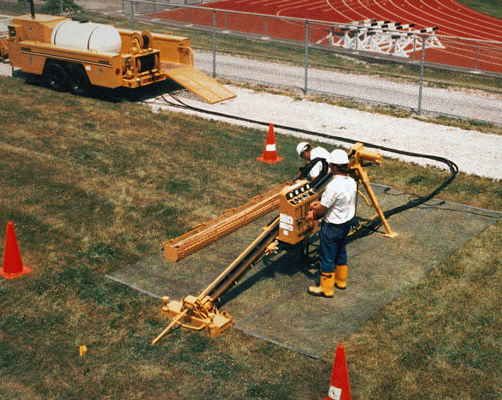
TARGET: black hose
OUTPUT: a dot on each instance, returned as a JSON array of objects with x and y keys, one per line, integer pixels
[
  {"x": 32, "y": 9},
  {"x": 374, "y": 224},
  {"x": 320, "y": 179}
]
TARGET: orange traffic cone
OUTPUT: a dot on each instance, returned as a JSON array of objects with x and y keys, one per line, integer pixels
[
  {"x": 12, "y": 264},
  {"x": 270, "y": 152},
  {"x": 339, "y": 387}
]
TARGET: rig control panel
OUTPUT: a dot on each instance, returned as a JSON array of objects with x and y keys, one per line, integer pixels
[{"x": 294, "y": 203}]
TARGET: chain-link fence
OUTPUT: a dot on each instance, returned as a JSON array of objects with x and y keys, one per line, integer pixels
[
  {"x": 395, "y": 65},
  {"x": 392, "y": 65}
]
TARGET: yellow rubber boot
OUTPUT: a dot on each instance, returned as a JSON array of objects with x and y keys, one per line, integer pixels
[
  {"x": 341, "y": 276},
  {"x": 326, "y": 287}
]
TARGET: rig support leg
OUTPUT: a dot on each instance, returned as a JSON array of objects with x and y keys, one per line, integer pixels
[{"x": 173, "y": 322}]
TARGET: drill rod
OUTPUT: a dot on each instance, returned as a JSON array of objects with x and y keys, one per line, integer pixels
[
  {"x": 173, "y": 322},
  {"x": 241, "y": 263}
]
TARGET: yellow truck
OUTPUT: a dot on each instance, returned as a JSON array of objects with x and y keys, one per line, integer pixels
[{"x": 76, "y": 55}]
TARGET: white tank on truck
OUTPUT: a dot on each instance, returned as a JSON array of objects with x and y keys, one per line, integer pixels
[{"x": 87, "y": 35}]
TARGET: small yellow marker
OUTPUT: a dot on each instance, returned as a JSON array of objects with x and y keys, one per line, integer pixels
[{"x": 82, "y": 350}]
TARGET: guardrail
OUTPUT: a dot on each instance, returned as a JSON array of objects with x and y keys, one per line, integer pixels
[{"x": 4, "y": 23}]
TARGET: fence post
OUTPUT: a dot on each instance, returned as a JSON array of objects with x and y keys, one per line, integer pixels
[
  {"x": 477, "y": 57},
  {"x": 307, "y": 40},
  {"x": 265, "y": 26},
  {"x": 214, "y": 43},
  {"x": 60, "y": 7},
  {"x": 421, "y": 84},
  {"x": 132, "y": 14}
]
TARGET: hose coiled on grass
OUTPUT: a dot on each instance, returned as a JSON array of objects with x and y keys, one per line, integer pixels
[{"x": 369, "y": 226}]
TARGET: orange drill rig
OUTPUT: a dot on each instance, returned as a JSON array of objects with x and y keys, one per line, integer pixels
[{"x": 289, "y": 228}]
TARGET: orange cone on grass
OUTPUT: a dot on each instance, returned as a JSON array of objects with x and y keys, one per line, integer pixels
[
  {"x": 339, "y": 387},
  {"x": 12, "y": 266},
  {"x": 270, "y": 152}
]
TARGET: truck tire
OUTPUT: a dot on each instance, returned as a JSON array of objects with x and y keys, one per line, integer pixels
[
  {"x": 79, "y": 81},
  {"x": 55, "y": 76}
]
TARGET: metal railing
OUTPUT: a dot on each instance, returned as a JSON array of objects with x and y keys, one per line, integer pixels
[{"x": 4, "y": 23}]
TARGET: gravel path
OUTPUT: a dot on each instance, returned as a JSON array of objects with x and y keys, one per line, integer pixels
[
  {"x": 367, "y": 87},
  {"x": 474, "y": 152}
]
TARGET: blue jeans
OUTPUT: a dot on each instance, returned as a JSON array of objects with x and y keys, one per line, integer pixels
[{"x": 333, "y": 243}]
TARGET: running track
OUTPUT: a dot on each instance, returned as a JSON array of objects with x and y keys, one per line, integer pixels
[{"x": 452, "y": 18}]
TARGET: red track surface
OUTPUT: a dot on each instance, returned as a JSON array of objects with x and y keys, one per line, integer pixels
[{"x": 452, "y": 18}]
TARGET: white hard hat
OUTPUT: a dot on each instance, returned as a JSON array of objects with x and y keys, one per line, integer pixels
[
  {"x": 302, "y": 146},
  {"x": 338, "y": 157}
]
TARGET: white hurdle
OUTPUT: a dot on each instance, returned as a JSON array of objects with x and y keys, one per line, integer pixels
[{"x": 386, "y": 37}]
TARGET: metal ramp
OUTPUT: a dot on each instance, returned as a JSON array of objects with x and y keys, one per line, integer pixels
[{"x": 197, "y": 82}]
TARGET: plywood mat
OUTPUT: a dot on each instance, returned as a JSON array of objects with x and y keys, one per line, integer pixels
[{"x": 271, "y": 302}]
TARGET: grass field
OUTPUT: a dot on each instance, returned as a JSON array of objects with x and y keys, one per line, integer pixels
[{"x": 92, "y": 185}]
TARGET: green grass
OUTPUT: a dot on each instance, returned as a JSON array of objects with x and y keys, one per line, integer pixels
[
  {"x": 93, "y": 185},
  {"x": 488, "y": 7}
]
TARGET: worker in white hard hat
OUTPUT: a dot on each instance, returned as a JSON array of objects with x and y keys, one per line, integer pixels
[
  {"x": 336, "y": 208},
  {"x": 308, "y": 152}
]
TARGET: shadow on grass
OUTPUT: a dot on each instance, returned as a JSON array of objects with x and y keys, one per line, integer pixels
[{"x": 286, "y": 264}]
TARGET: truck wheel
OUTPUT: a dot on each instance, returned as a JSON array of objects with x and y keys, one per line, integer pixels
[
  {"x": 55, "y": 76},
  {"x": 79, "y": 81}
]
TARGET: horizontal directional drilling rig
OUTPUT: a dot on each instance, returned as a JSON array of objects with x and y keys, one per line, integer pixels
[
  {"x": 231, "y": 220},
  {"x": 288, "y": 229},
  {"x": 200, "y": 312}
]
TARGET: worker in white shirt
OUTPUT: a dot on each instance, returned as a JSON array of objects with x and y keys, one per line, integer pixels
[
  {"x": 336, "y": 208},
  {"x": 308, "y": 152}
]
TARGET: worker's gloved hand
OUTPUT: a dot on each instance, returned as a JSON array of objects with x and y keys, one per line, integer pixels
[{"x": 314, "y": 204}]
